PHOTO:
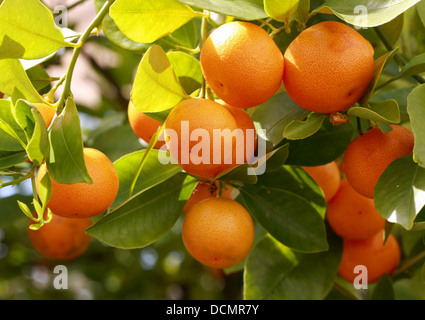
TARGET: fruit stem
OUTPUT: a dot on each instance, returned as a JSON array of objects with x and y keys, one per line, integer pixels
[
  {"x": 77, "y": 50},
  {"x": 204, "y": 35},
  {"x": 408, "y": 263}
]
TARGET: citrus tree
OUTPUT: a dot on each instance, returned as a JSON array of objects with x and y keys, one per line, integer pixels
[{"x": 316, "y": 189}]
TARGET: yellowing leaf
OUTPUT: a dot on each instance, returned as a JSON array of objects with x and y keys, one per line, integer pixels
[
  {"x": 156, "y": 87},
  {"x": 146, "y": 21}
]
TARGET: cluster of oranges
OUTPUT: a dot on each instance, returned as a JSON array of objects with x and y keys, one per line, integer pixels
[
  {"x": 326, "y": 69},
  {"x": 72, "y": 206}
]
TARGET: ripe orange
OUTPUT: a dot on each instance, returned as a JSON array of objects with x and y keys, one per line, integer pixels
[
  {"x": 368, "y": 155},
  {"x": 143, "y": 126},
  {"x": 46, "y": 112},
  {"x": 82, "y": 200},
  {"x": 189, "y": 133},
  {"x": 328, "y": 178},
  {"x": 371, "y": 253},
  {"x": 353, "y": 216},
  {"x": 205, "y": 190},
  {"x": 218, "y": 232},
  {"x": 242, "y": 64},
  {"x": 328, "y": 67},
  {"x": 62, "y": 238}
]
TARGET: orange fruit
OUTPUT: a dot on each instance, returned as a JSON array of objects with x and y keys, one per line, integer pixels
[
  {"x": 62, "y": 238},
  {"x": 371, "y": 253},
  {"x": 143, "y": 126},
  {"x": 205, "y": 190},
  {"x": 369, "y": 154},
  {"x": 353, "y": 216},
  {"x": 218, "y": 232},
  {"x": 242, "y": 64},
  {"x": 189, "y": 133},
  {"x": 328, "y": 178},
  {"x": 46, "y": 112},
  {"x": 82, "y": 200},
  {"x": 328, "y": 67}
]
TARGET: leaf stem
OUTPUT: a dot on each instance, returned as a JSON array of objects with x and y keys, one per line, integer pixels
[
  {"x": 204, "y": 35},
  {"x": 410, "y": 262},
  {"x": 77, "y": 50}
]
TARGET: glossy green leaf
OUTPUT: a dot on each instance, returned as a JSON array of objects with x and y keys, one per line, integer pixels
[
  {"x": 242, "y": 9},
  {"x": 147, "y": 216},
  {"x": 156, "y": 87},
  {"x": 386, "y": 111},
  {"x": 65, "y": 161},
  {"x": 39, "y": 78},
  {"x": 12, "y": 136},
  {"x": 366, "y": 13},
  {"x": 301, "y": 129},
  {"x": 153, "y": 173},
  {"x": 274, "y": 115},
  {"x": 378, "y": 66},
  {"x": 281, "y": 10},
  {"x": 243, "y": 173},
  {"x": 268, "y": 263},
  {"x": 384, "y": 289},
  {"x": 28, "y": 32},
  {"x": 281, "y": 203},
  {"x": 400, "y": 191},
  {"x": 187, "y": 69},
  {"x": 9, "y": 159},
  {"x": 38, "y": 145},
  {"x": 302, "y": 12},
  {"x": 415, "y": 109},
  {"x": 273, "y": 272},
  {"x": 146, "y": 21},
  {"x": 333, "y": 140},
  {"x": 14, "y": 80}
]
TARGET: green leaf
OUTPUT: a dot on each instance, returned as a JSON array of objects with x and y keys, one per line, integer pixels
[
  {"x": 273, "y": 272},
  {"x": 147, "y": 216},
  {"x": 15, "y": 80},
  {"x": 45, "y": 190},
  {"x": 378, "y": 66},
  {"x": 187, "y": 69},
  {"x": 281, "y": 10},
  {"x": 281, "y": 203},
  {"x": 277, "y": 157},
  {"x": 333, "y": 140},
  {"x": 415, "y": 109},
  {"x": 301, "y": 129},
  {"x": 38, "y": 146},
  {"x": 12, "y": 137},
  {"x": 65, "y": 161},
  {"x": 386, "y": 111},
  {"x": 156, "y": 87},
  {"x": 268, "y": 263},
  {"x": 39, "y": 78},
  {"x": 365, "y": 13},
  {"x": 243, "y": 173},
  {"x": 384, "y": 289},
  {"x": 274, "y": 115},
  {"x": 302, "y": 13},
  {"x": 241, "y": 9},
  {"x": 146, "y": 21},
  {"x": 400, "y": 191},
  {"x": 10, "y": 159},
  {"x": 153, "y": 173},
  {"x": 28, "y": 32}
]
